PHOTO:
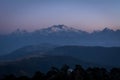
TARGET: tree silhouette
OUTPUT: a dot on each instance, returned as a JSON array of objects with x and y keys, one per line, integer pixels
[
  {"x": 65, "y": 73},
  {"x": 10, "y": 77},
  {"x": 79, "y": 73},
  {"x": 52, "y": 73},
  {"x": 23, "y": 78},
  {"x": 38, "y": 76},
  {"x": 115, "y": 74}
]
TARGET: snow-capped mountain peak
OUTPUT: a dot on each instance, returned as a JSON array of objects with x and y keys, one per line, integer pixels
[
  {"x": 56, "y": 28},
  {"x": 60, "y": 28}
]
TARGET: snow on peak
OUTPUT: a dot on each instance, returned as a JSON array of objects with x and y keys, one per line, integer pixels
[
  {"x": 57, "y": 28},
  {"x": 60, "y": 28}
]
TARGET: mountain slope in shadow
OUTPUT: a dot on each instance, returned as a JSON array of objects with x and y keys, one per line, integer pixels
[
  {"x": 101, "y": 55},
  {"x": 31, "y": 65},
  {"x": 28, "y": 51},
  {"x": 29, "y": 59}
]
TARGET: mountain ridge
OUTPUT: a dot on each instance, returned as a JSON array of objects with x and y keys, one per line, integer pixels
[
  {"x": 62, "y": 27},
  {"x": 96, "y": 54},
  {"x": 61, "y": 35}
]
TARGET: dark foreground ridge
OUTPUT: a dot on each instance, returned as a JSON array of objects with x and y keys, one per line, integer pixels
[{"x": 66, "y": 73}]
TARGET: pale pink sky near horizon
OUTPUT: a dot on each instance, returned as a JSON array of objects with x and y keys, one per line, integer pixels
[{"x": 87, "y": 15}]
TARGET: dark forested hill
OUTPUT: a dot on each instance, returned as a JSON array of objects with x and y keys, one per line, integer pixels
[
  {"x": 31, "y": 65},
  {"x": 29, "y": 59},
  {"x": 100, "y": 55}
]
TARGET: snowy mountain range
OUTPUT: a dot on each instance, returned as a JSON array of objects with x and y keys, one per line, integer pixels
[
  {"x": 60, "y": 35},
  {"x": 62, "y": 28}
]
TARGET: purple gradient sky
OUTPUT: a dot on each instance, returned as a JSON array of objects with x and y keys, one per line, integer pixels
[{"x": 86, "y": 15}]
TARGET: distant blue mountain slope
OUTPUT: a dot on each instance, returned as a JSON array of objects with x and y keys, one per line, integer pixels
[{"x": 58, "y": 34}]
